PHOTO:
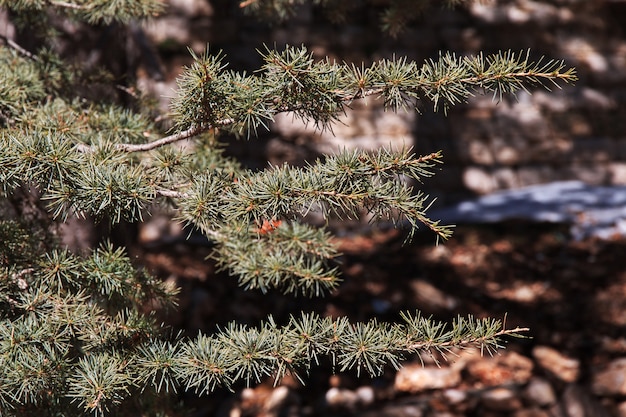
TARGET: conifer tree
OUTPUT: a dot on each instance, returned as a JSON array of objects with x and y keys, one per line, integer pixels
[{"x": 75, "y": 338}]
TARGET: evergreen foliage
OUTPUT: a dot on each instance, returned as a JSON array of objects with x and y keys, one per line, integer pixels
[
  {"x": 75, "y": 337},
  {"x": 92, "y": 11}
]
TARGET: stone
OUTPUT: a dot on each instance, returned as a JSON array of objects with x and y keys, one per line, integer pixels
[
  {"x": 557, "y": 364},
  {"x": 532, "y": 412},
  {"x": 264, "y": 400},
  {"x": 169, "y": 29},
  {"x": 415, "y": 378},
  {"x": 594, "y": 174},
  {"x": 621, "y": 409},
  {"x": 517, "y": 14},
  {"x": 276, "y": 400},
  {"x": 479, "y": 152},
  {"x": 609, "y": 304},
  {"x": 347, "y": 399},
  {"x": 153, "y": 229},
  {"x": 366, "y": 395},
  {"x": 556, "y": 411},
  {"x": 552, "y": 100},
  {"x": 506, "y": 178},
  {"x": 578, "y": 402},
  {"x": 430, "y": 298},
  {"x": 366, "y": 126},
  {"x": 507, "y": 154},
  {"x": 393, "y": 410},
  {"x": 455, "y": 396},
  {"x": 478, "y": 180},
  {"x": 501, "y": 399},
  {"x": 589, "y": 54},
  {"x": 442, "y": 414},
  {"x": 341, "y": 398},
  {"x": 437, "y": 254},
  {"x": 617, "y": 173},
  {"x": 595, "y": 99},
  {"x": 191, "y": 8},
  {"x": 507, "y": 368},
  {"x": 532, "y": 174},
  {"x": 77, "y": 234},
  {"x": 539, "y": 392},
  {"x": 611, "y": 380},
  {"x": 456, "y": 400}
]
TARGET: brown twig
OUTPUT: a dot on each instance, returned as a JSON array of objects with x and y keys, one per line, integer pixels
[
  {"x": 15, "y": 46},
  {"x": 246, "y": 3},
  {"x": 70, "y": 5},
  {"x": 185, "y": 134},
  {"x": 171, "y": 194}
]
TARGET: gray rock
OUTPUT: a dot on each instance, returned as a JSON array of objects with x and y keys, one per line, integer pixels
[
  {"x": 501, "y": 399},
  {"x": 276, "y": 400},
  {"x": 393, "y": 410},
  {"x": 611, "y": 380},
  {"x": 455, "y": 396},
  {"x": 507, "y": 368},
  {"x": 341, "y": 398},
  {"x": 577, "y": 402},
  {"x": 366, "y": 395},
  {"x": 262, "y": 400},
  {"x": 621, "y": 409},
  {"x": 191, "y": 8},
  {"x": 532, "y": 412},
  {"x": 430, "y": 298},
  {"x": 539, "y": 392},
  {"x": 557, "y": 364},
  {"x": 416, "y": 378},
  {"x": 479, "y": 180},
  {"x": 443, "y": 414}
]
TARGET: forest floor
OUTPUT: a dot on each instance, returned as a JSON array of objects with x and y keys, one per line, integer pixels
[{"x": 570, "y": 294}]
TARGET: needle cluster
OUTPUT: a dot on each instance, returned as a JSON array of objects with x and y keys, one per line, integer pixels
[{"x": 91, "y": 11}]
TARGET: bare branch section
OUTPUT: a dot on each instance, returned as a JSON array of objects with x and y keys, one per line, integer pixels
[
  {"x": 71, "y": 5},
  {"x": 15, "y": 46},
  {"x": 185, "y": 134},
  {"x": 246, "y": 3},
  {"x": 171, "y": 194}
]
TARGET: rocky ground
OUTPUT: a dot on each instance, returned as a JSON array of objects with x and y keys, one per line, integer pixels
[{"x": 571, "y": 294}]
